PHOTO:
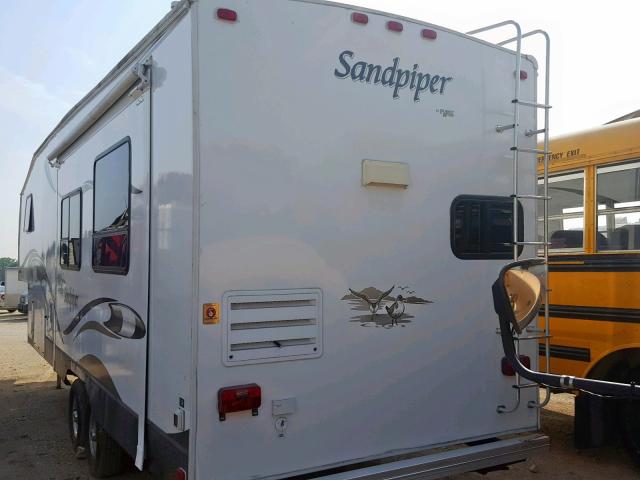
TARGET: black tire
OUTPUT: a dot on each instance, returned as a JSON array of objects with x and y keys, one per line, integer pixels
[
  {"x": 11, "y": 310},
  {"x": 78, "y": 418},
  {"x": 630, "y": 421},
  {"x": 106, "y": 458}
]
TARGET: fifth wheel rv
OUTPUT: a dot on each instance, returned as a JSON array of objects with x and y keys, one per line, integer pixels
[{"x": 262, "y": 247}]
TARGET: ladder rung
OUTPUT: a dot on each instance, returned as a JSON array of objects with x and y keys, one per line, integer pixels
[
  {"x": 531, "y": 150},
  {"x": 530, "y": 104},
  {"x": 525, "y": 385},
  {"x": 502, "y": 128},
  {"x": 532, "y": 337},
  {"x": 531, "y": 133},
  {"x": 536, "y": 330},
  {"x": 532, "y": 197}
]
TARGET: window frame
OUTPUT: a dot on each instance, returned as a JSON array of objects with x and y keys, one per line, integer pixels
[
  {"x": 127, "y": 230},
  {"x": 610, "y": 167},
  {"x": 486, "y": 255},
  {"x": 77, "y": 191},
  {"x": 540, "y": 217},
  {"x": 31, "y": 226}
]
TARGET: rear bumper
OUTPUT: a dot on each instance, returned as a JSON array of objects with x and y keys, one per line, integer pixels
[{"x": 451, "y": 461}]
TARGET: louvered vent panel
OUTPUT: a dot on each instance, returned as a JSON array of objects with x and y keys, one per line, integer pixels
[{"x": 270, "y": 326}]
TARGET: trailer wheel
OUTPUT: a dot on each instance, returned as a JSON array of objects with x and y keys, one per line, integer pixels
[
  {"x": 11, "y": 310},
  {"x": 630, "y": 422},
  {"x": 78, "y": 418},
  {"x": 106, "y": 458}
]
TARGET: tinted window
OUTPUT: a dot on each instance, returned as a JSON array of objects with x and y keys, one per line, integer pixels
[
  {"x": 28, "y": 215},
  {"x": 566, "y": 211},
  {"x": 618, "y": 200},
  {"x": 71, "y": 230},
  {"x": 111, "y": 210},
  {"x": 482, "y": 227}
]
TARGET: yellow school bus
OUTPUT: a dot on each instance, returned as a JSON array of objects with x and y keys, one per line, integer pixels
[{"x": 594, "y": 256}]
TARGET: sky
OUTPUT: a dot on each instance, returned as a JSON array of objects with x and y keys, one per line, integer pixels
[{"x": 52, "y": 52}]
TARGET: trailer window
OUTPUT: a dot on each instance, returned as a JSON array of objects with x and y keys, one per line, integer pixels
[
  {"x": 111, "y": 202},
  {"x": 618, "y": 200},
  {"x": 482, "y": 227},
  {"x": 28, "y": 225},
  {"x": 566, "y": 211},
  {"x": 71, "y": 231}
]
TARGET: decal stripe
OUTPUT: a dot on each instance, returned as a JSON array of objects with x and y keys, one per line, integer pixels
[
  {"x": 83, "y": 311},
  {"x": 37, "y": 271},
  {"x": 94, "y": 366},
  {"x": 129, "y": 325},
  {"x": 91, "y": 325}
]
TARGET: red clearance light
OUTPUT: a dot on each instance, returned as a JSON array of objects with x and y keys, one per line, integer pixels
[
  {"x": 429, "y": 34},
  {"x": 226, "y": 14},
  {"x": 181, "y": 474},
  {"x": 395, "y": 26},
  {"x": 523, "y": 75},
  {"x": 239, "y": 399},
  {"x": 507, "y": 368},
  {"x": 362, "y": 18}
]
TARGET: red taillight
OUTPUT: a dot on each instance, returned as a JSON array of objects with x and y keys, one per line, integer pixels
[
  {"x": 395, "y": 26},
  {"x": 507, "y": 368},
  {"x": 362, "y": 18},
  {"x": 239, "y": 399},
  {"x": 523, "y": 75},
  {"x": 181, "y": 474},
  {"x": 429, "y": 34},
  {"x": 226, "y": 14}
]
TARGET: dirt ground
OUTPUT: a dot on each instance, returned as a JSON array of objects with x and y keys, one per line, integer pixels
[{"x": 34, "y": 442}]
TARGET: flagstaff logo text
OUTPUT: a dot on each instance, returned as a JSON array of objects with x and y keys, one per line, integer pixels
[{"x": 391, "y": 76}]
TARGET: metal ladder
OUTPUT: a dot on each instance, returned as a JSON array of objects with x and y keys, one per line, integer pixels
[{"x": 533, "y": 333}]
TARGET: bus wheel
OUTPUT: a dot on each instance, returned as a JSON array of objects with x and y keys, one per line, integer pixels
[
  {"x": 106, "y": 458},
  {"x": 630, "y": 423},
  {"x": 78, "y": 418}
]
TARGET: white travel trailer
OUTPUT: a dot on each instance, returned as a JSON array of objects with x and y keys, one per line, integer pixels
[
  {"x": 264, "y": 244},
  {"x": 13, "y": 289}
]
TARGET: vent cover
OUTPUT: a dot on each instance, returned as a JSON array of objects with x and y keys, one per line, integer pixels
[{"x": 271, "y": 325}]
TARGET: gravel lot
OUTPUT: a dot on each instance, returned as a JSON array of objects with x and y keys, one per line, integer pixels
[{"x": 34, "y": 442}]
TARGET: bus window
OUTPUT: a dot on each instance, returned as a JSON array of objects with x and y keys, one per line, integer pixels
[
  {"x": 566, "y": 211},
  {"x": 618, "y": 195}
]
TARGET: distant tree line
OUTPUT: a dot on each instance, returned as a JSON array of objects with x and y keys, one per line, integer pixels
[{"x": 6, "y": 262}]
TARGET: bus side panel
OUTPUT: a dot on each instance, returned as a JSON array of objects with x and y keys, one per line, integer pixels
[
  {"x": 594, "y": 270},
  {"x": 592, "y": 315}
]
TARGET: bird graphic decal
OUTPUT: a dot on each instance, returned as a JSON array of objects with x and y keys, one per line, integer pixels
[
  {"x": 399, "y": 310},
  {"x": 374, "y": 305},
  {"x": 396, "y": 309}
]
